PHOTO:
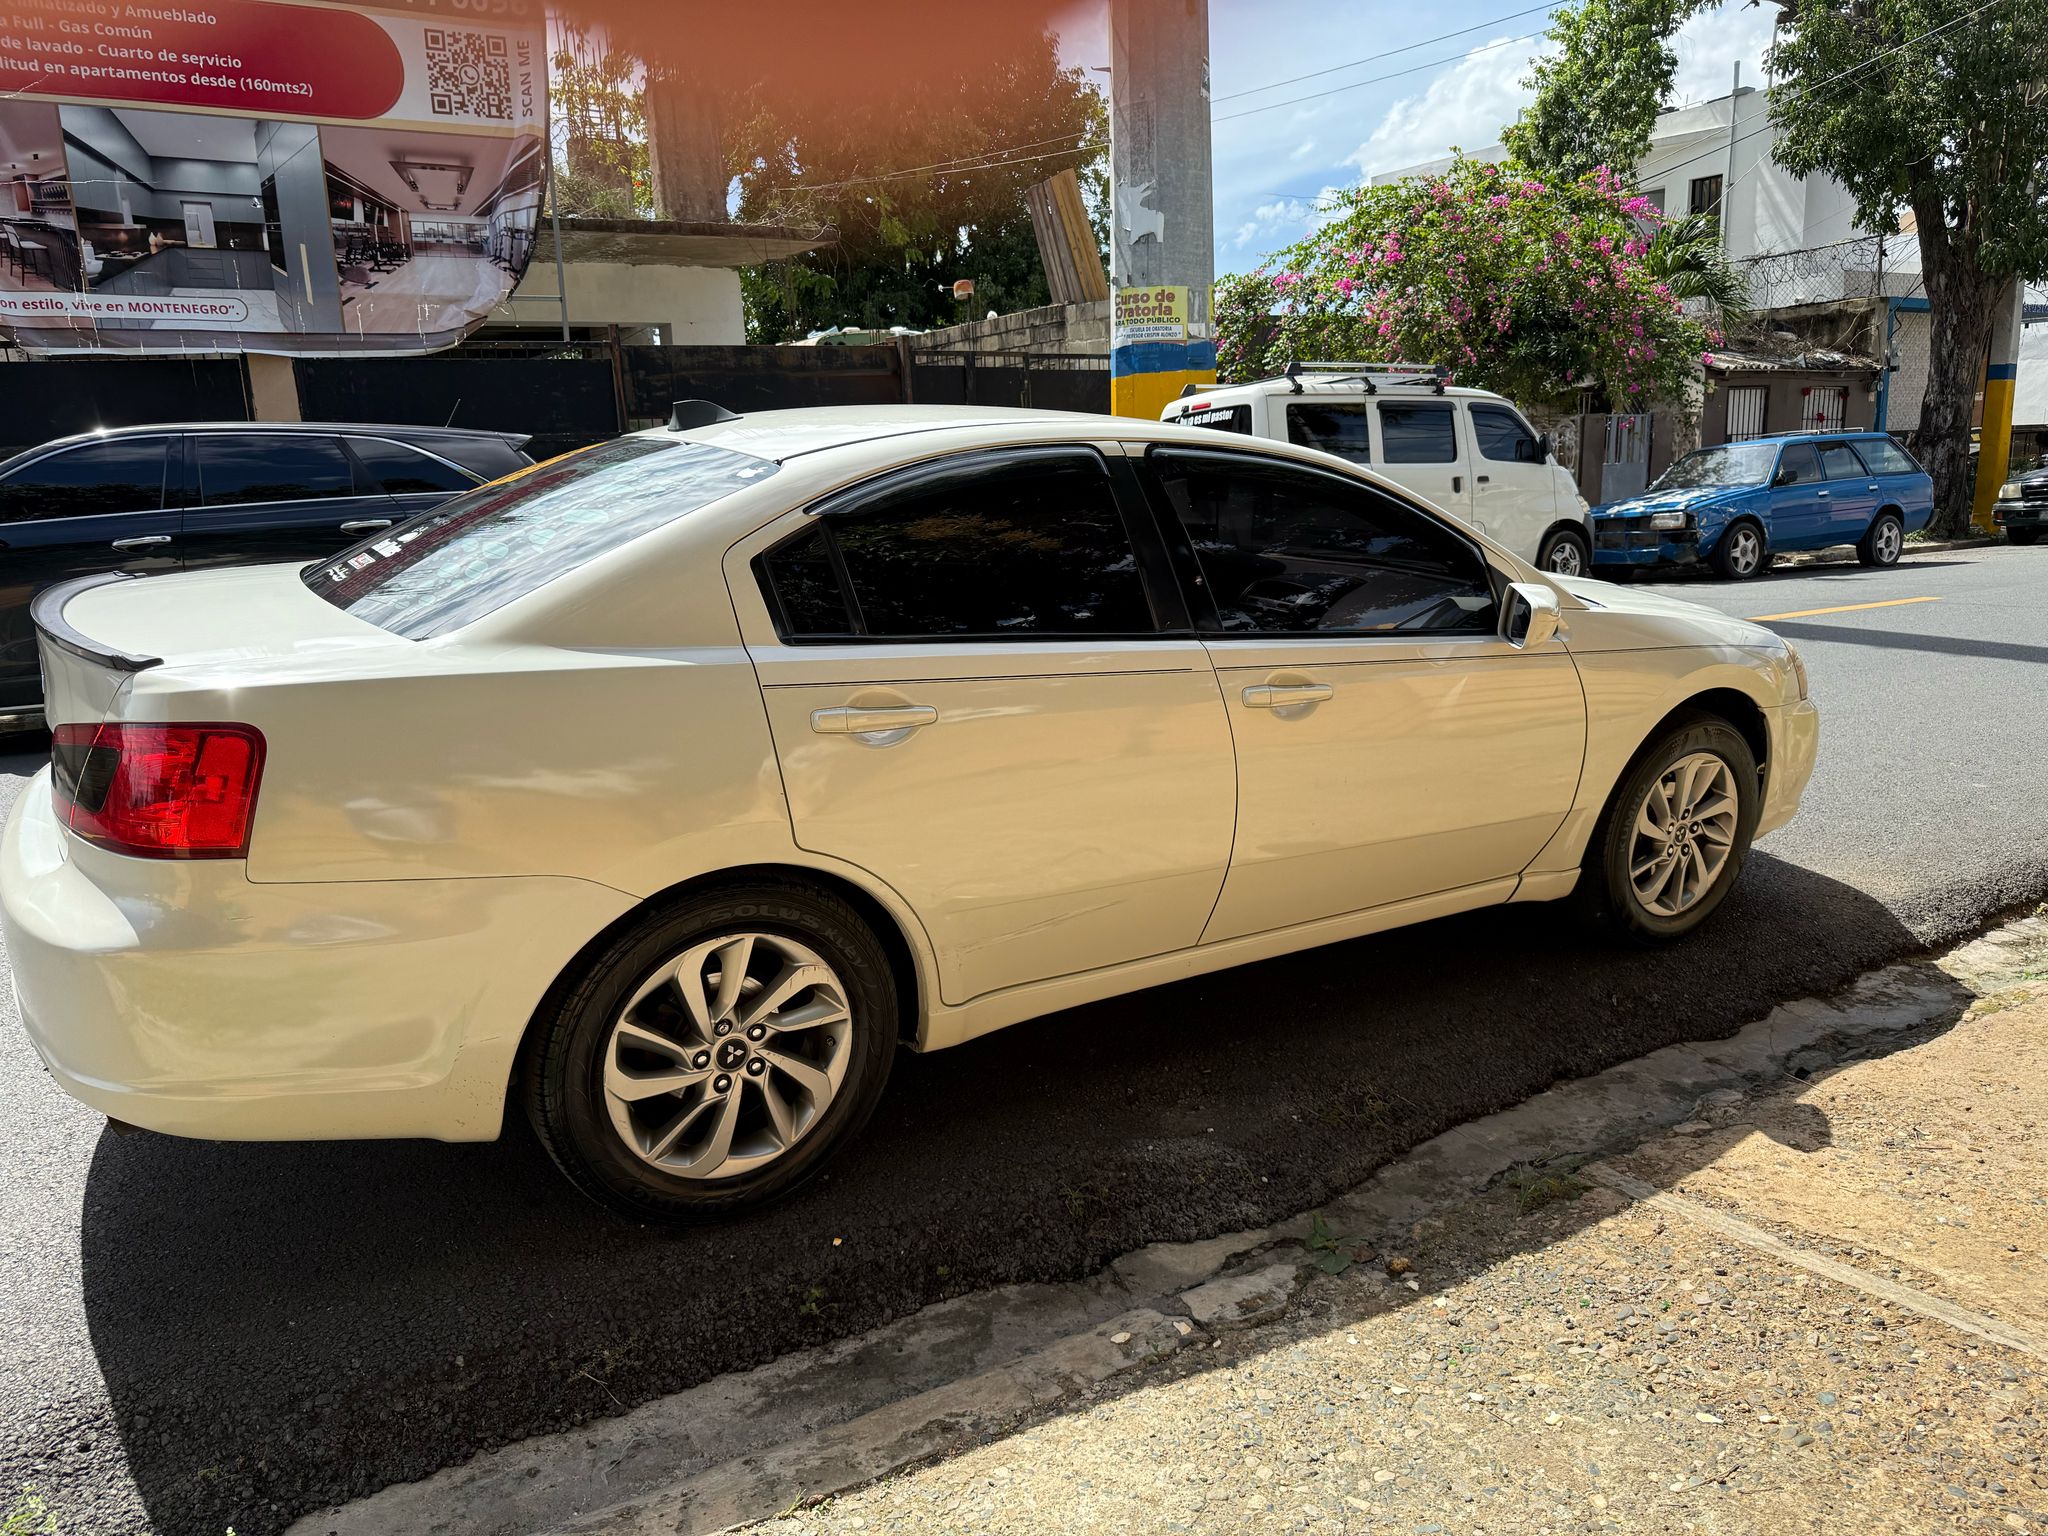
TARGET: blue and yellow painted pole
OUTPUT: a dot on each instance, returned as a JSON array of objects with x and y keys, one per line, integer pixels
[
  {"x": 1994, "y": 434},
  {"x": 1162, "y": 261}
]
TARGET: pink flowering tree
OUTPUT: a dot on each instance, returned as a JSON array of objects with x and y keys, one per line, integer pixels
[{"x": 1530, "y": 288}]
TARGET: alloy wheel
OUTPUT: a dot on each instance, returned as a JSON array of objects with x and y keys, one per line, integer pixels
[
  {"x": 727, "y": 1055},
  {"x": 1565, "y": 559},
  {"x": 1684, "y": 833},
  {"x": 1745, "y": 549},
  {"x": 1890, "y": 540}
]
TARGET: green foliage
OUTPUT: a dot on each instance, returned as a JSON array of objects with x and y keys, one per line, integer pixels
[
  {"x": 1943, "y": 112},
  {"x": 595, "y": 95},
  {"x": 1687, "y": 256},
  {"x": 1532, "y": 288},
  {"x": 1333, "y": 1253},
  {"x": 27, "y": 1516},
  {"x": 1598, "y": 96},
  {"x": 1937, "y": 105},
  {"x": 902, "y": 240}
]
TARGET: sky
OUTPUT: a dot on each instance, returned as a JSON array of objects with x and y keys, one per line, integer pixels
[{"x": 1272, "y": 166}]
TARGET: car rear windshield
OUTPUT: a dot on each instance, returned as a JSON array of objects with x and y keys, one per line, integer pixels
[{"x": 501, "y": 541}]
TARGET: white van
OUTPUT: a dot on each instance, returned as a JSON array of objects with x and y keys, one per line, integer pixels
[{"x": 1467, "y": 450}]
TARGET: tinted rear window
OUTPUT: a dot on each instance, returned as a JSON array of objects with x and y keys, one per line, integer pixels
[{"x": 478, "y": 552}]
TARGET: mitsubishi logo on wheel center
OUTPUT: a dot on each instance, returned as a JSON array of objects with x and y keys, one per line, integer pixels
[{"x": 731, "y": 1054}]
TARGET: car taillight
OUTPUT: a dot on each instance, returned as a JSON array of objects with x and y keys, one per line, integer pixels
[{"x": 158, "y": 791}]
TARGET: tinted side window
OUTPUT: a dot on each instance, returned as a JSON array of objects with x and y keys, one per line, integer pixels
[
  {"x": 803, "y": 589},
  {"x": 1415, "y": 433},
  {"x": 1289, "y": 551},
  {"x": 1799, "y": 465},
  {"x": 123, "y": 475},
  {"x": 1886, "y": 457},
  {"x": 1838, "y": 461},
  {"x": 397, "y": 470},
  {"x": 1504, "y": 436},
  {"x": 1342, "y": 429},
  {"x": 1024, "y": 544},
  {"x": 235, "y": 469}
]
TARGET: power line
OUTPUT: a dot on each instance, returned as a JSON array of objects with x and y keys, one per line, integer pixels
[
  {"x": 1443, "y": 37},
  {"x": 1274, "y": 106}
]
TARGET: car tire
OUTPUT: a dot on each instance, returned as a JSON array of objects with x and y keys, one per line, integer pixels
[
  {"x": 1883, "y": 541},
  {"x": 1711, "y": 757},
  {"x": 1569, "y": 546},
  {"x": 617, "y": 1027},
  {"x": 2022, "y": 536},
  {"x": 1741, "y": 551}
]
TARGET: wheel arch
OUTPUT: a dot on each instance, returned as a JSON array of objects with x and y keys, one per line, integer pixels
[
  {"x": 1576, "y": 525},
  {"x": 906, "y": 954}
]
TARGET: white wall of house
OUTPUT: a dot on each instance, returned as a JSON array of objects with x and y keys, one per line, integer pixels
[{"x": 693, "y": 306}]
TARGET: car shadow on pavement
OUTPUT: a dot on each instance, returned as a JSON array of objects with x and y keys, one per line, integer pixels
[
  {"x": 285, "y": 1326},
  {"x": 1893, "y": 639}
]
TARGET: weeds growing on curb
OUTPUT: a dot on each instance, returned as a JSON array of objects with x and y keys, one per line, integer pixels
[{"x": 1537, "y": 1187}]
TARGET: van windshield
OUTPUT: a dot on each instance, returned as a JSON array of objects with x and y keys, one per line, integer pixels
[
  {"x": 1724, "y": 464},
  {"x": 481, "y": 550}
]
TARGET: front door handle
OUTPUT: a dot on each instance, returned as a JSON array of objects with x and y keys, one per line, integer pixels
[
  {"x": 143, "y": 541},
  {"x": 851, "y": 720},
  {"x": 1484, "y": 479},
  {"x": 1285, "y": 695},
  {"x": 1823, "y": 495},
  {"x": 366, "y": 525}
]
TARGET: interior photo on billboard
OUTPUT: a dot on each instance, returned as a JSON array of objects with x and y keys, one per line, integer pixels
[
  {"x": 196, "y": 205},
  {"x": 39, "y": 250},
  {"x": 430, "y": 230}
]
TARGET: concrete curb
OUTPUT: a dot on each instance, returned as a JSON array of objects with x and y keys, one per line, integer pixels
[{"x": 817, "y": 1422}]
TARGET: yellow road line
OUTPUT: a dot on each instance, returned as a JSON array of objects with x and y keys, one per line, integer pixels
[{"x": 1814, "y": 613}]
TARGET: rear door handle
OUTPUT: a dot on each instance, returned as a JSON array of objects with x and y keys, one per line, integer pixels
[
  {"x": 893, "y": 720},
  {"x": 1821, "y": 494},
  {"x": 142, "y": 541},
  {"x": 366, "y": 525},
  {"x": 1284, "y": 695}
]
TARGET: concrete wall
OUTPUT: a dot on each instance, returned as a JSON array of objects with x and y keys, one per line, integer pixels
[
  {"x": 694, "y": 306},
  {"x": 1057, "y": 330}
]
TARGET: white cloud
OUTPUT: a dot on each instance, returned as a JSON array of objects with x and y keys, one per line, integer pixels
[
  {"x": 1709, "y": 45},
  {"x": 1284, "y": 219},
  {"x": 1467, "y": 105},
  {"x": 1303, "y": 150}
]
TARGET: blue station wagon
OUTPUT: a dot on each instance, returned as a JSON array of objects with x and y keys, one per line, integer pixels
[{"x": 1738, "y": 505}]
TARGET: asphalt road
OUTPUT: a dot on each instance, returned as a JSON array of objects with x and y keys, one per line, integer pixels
[{"x": 194, "y": 1336}]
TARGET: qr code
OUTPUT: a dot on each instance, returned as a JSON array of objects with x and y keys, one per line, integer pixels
[{"x": 469, "y": 74}]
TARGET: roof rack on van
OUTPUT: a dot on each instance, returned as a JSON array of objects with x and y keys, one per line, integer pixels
[{"x": 1371, "y": 375}]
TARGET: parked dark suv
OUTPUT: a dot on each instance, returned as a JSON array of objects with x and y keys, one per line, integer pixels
[{"x": 168, "y": 498}]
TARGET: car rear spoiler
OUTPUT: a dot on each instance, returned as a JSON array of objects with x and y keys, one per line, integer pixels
[{"x": 47, "y": 613}]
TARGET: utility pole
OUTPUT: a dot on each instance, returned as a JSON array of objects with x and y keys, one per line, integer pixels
[
  {"x": 1994, "y": 433},
  {"x": 1728, "y": 179},
  {"x": 1162, "y": 333}
]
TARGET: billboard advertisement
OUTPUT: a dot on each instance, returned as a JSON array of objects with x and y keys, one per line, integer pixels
[{"x": 281, "y": 176}]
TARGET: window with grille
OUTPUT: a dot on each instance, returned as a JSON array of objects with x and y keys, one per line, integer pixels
[
  {"x": 1822, "y": 407},
  {"x": 1746, "y": 412}
]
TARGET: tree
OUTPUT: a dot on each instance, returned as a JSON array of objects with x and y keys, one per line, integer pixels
[
  {"x": 595, "y": 95},
  {"x": 1598, "y": 97},
  {"x": 1687, "y": 256},
  {"x": 1936, "y": 104},
  {"x": 904, "y": 235},
  {"x": 1532, "y": 288}
]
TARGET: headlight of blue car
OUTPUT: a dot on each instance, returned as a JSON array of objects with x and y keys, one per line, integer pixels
[{"x": 1668, "y": 519}]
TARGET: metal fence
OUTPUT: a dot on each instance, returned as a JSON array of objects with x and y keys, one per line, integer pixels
[{"x": 1844, "y": 269}]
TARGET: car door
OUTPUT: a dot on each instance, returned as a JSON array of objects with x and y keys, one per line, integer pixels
[
  {"x": 1901, "y": 482},
  {"x": 1799, "y": 500},
  {"x": 1514, "y": 496},
  {"x": 262, "y": 496},
  {"x": 1851, "y": 493},
  {"x": 1418, "y": 448},
  {"x": 415, "y": 480},
  {"x": 79, "y": 511},
  {"x": 1389, "y": 744},
  {"x": 983, "y": 691}
]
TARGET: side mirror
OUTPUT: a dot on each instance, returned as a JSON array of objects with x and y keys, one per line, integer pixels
[
  {"x": 1529, "y": 616},
  {"x": 1546, "y": 448},
  {"x": 1783, "y": 477}
]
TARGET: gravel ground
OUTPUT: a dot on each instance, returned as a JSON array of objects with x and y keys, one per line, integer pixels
[{"x": 1590, "y": 1364}]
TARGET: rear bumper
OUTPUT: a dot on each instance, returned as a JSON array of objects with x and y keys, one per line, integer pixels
[
  {"x": 1795, "y": 746},
  {"x": 184, "y": 998}
]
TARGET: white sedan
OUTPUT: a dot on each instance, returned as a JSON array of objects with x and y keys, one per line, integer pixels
[{"x": 668, "y": 787}]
